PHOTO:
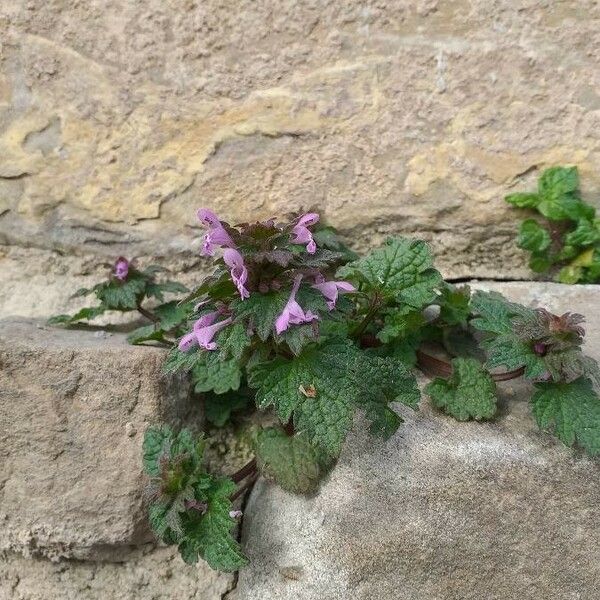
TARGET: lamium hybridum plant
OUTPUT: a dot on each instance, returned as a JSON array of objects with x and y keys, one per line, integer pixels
[{"x": 293, "y": 323}]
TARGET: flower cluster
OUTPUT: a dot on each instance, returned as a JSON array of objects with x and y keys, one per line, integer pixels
[{"x": 253, "y": 254}]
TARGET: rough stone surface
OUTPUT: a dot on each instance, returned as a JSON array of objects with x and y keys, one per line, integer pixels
[
  {"x": 73, "y": 409},
  {"x": 118, "y": 119},
  {"x": 442, "y": 511},
  {"x": 148, "y": 574}
]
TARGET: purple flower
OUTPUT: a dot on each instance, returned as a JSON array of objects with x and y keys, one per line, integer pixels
[
  {"x": 239, "y": 273},
  {"x": 121, "y": 268},
  {"x": 540, "y": 348},
  {"x": 292, "y": 313},
  {"x": 203, "y": 332},
  {"x": 301, "y": 234},
  {"x": 331, "y": 290},
  {"x": 235, "y": 514},
  {"x": 216, "y": 234}
]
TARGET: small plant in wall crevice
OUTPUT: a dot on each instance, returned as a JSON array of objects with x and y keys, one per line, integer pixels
[{"x": 292, "y": 323}]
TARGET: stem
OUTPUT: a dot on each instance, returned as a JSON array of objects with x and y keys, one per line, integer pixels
[
  {"x": 146, "y": 313},
  {"x": 434, "y": 365},
  {"x": 248, "y": 483},
  {"x": 248, "y": 469},
  {"x": 371, "y": 312},
  {"x": 289, "y": 428}
]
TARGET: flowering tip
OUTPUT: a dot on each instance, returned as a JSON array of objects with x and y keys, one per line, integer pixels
[
  {"x": 216, "y": 234},
  {"x": 203, "y": 332},
  {"x": 239, "y": 272},
  {"x": 207, "y": 217},
  {"x": 301, "y": 233},
  {"x": 235, "y": 514},
  {"x": 332, "y": 289},
  {"x": 308, "y": 219},
  {"x": 121, "y": 268},
  {"x": 293, "y": 314}
]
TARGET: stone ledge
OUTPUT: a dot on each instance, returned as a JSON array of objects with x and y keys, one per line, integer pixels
[
  {"x": 443, "y": 510},
  {"x": 73, "y": 409}
]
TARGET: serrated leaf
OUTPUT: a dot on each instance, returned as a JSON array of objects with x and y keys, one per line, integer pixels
[
  {"x": 342, "y": 378},
  {"x": 455, "y": 304},
  {"x": 402, "y": 269},
  {"x": 209, "y": 536},
  {"x": 399, "y": 323},
  {"x": 84, "y": 314},
  {"x": 261, "y": 311},
  {"x": 469, "y": 393},
  {"x": 173, "y": 314},
  {"x": 153, "y": 446},
  {"x": 178, "y": 361},
  {"x": 290, "y": 461},
  {"x": 157, "y": 290},
  {"x": 233, "y": 341},
  {"x": 145, "y": 333},
  {"x": 533, "y": 237},
  {"x": 122, "y": 295},
  {"x": 512, "y": 353},
  {"x": 495, "y": 313},
  {"x": 211, "y": 373},
  {"x": 320, "y": 259},
  {"x": 571, "y": 411},
  {"x": 558, "y": 181}
]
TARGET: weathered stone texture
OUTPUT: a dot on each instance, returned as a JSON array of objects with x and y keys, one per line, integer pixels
[
  {"x": 118, "y": 119},
  {"x": 442, "y": 511},
  {"x": 148, "y": 574},
  {"x": 73, "y": 409}
]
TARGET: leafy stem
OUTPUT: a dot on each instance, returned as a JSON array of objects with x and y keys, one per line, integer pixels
[
  {"x": 374, "y": 306},
  {"x": 146, "y": 313}
]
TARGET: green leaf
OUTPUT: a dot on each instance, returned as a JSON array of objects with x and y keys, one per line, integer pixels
[
  {"x": 540, "y": 263},
  {"x": 402, "y": 269},
  {"x": 155, "y": 440},
  {"x": 173, "y": 314},
  {"x": 495, "y": 313},
  {"x": 178, "y": 361},
  {"x": 469, "y": 393},
  {"x": 570, "y": 275},
  {"x": 400, "y": 323},
  {"x": 571, "y": 410},
  {"x": 586, "y": 234},
  {"x": 323, "y": 386},
  {"x": 209, "y": 536},
  {"x": 84, "y": 314},
  {"x": 557, "y": 181},
  {"x": 211, "y": 373},
  {"x": 261, "y": 311},
  {"x": 233, "y": 341},
  {"x": 525, "y": 200},
  {"x": 157, "y": 290},
  {"x": 146, "y": 333},
  {"x": 513, "y": 353},
  {"x": 122, "y": 295},
  {"x": 291, "y": 461},
  {"x": 533, "y": 237},
  {"x": 455, "y": 304}
]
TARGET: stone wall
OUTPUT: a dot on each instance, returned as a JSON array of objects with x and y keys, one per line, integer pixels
[{"x": 118, "y": 119}]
